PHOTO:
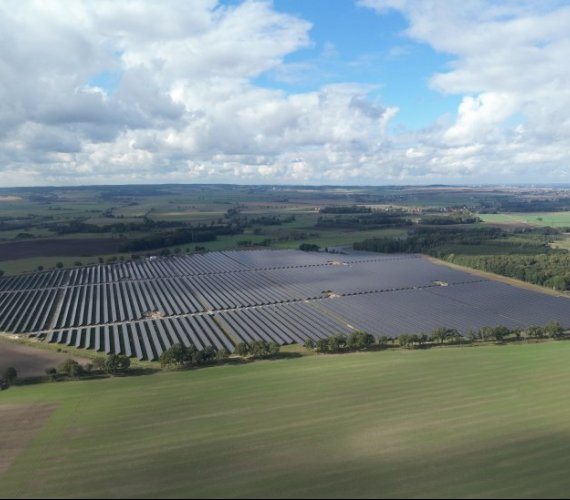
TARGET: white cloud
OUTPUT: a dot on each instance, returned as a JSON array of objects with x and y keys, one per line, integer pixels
[
  {"x": 510, "y": 65},
  {"x": 185, "y": 104}
]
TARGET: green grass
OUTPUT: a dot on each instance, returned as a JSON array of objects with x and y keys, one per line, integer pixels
[
  {"x": 484, "y": 422},
  {"x": 551, "y": 219}
]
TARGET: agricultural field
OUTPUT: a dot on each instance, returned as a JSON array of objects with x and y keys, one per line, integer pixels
[
  {"x": 541, "y": 219},
  {"x": 142, "y": 308},
  {"x": 109, "y": 222},
  {"x": 31, "y": 362},
  {"x": 480, "y": 422}
]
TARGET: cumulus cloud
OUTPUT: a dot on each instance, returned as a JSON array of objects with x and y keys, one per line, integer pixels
[
  {"x": 510, "y": 66},
  {"x": 183, "y": 105},
  {"x": 140, "y": 91}
]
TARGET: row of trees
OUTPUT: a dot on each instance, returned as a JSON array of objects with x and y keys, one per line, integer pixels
[
  {"x": 360, "y": 341},
  {"x": 179, "y": 356},
  {"x": 114, "y": 364},
  {"x": 356, "y": 341},
  {"x": 551, "y": 270},
  {"x": 258, "y": 349}
]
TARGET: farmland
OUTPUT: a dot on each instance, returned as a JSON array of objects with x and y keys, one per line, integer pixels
[
  {"x": 481, "y": 422},
  {"x": 37, "y": 225},
  {"x": 142, "y": 308},
  {"x": 550, "y": 219}
]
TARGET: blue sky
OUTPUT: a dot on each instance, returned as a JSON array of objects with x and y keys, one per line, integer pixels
[
  {"x": 284, "y": 91},
  {"x": 353, "y": 44}
]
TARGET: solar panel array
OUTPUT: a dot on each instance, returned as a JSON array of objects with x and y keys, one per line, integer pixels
[{"x": 141, "y": 308}]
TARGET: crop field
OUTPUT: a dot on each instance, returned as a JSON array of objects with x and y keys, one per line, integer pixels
[
  {"x": 141, "y": 308},
  {"x": 551, "y": 219},
  {"x": 481, "y": 422}
]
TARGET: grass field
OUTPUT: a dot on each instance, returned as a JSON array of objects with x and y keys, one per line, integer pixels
[
  {"x": 550, "y": 219},
  {"x": 486, "y": 422}
]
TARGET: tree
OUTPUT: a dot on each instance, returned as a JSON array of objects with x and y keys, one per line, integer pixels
[
  {"x": 274, "y": 349},
  {"x": 242, "y": 349},
  {"x": 10, "y": 375},
  {"x": 222, "y": 355},
  {"x": 59, "y": 265},
  {"x": 535, "y": 331},
  {"x": 337, "y": 343},
  {"x": 117, "y": 363},
  {"x": 358, "y": 341},
  {"x": 209, "y": 354},
  {"x": 501, "y": 332},
  {"x": 440, "y": 335},
  {"x": 70, "y": 368},
  {"x": 51, "y": 373},
  {"x": 176, "y": 355},
  {"x": 404, "y": 340},
  {"x": 553, "y": 329},
  {"x": 310, "y": 344},
  {"x": 322, "y": 345}
]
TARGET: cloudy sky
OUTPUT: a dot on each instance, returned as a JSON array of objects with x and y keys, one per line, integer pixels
[{"x": 289, "y": 91}]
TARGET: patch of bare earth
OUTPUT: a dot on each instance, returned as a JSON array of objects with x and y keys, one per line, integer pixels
[
  {"x": 29, "y": 361},
  {"x": 18, "y": 426}
]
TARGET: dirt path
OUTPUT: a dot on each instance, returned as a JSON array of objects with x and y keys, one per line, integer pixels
[{"x": 18, "y": 426}]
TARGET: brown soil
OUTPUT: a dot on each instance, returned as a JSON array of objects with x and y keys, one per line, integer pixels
[
  {"x": 29, "y": 362},
  {"x": 18, "y": 426}
]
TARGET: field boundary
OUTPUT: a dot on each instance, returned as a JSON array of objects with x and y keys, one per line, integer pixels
[{"x": 498, "y": 277}]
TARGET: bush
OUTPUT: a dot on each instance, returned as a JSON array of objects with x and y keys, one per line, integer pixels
[
  {"x": 337, "y": 343},
  {"x": 70, "y": 368},
  {"x": 322, "y": 345},
  {"x": 263, "y": 349},
  {"x": 177, "y": 355},
  {"x": 358, "y": 341},
  {"x": 222, "y": 355},
  {"x": 553, "y": 329},
  {"x": 117, "y": 363},
  {"x": 10, "y": 375},
  {"x": 310, "y": 344},
  {"x": 242, "y": 349},
  {"x": 51, "y": 374}
]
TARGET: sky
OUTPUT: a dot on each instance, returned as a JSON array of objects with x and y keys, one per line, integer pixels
[{"x": 336, "y": 92}]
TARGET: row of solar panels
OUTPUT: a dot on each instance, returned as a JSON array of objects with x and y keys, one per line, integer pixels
[
  {"x": 176, "y": 266},
  {"x": 148, "y": 339},
  {"x": 466, "y": 307},
  {"x": 77, "y": 306}
]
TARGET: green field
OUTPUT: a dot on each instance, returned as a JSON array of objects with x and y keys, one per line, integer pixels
[
  {"x": 484, "y": 422},
  {"x": 546, "y": 219}
]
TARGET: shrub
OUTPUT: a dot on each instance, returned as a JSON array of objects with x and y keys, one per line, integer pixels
[
  {"x": 358, "y": 341},
  {"x": 309, "y": 344},
  {"x": 242, "y": 349},
  {"x": 10, "y": 375},
  {"x": 117, "y": 363},
  {"x": 177, "y": 355},
  {"x": 553, "y": 329},
  {"x": 70, "y": 368},
  {"x": 322, "y": 345},
  {"x": 222, "y": 355}
]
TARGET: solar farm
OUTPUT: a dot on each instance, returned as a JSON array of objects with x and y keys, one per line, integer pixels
[{"x": 141, "y": 308}]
